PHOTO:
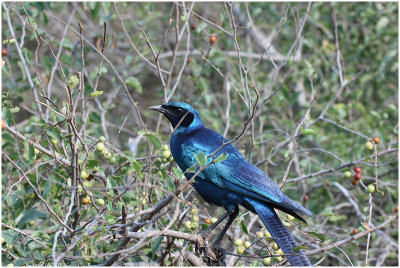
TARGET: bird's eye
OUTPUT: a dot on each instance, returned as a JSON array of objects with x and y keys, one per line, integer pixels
[{"x": 179, "y": 110}]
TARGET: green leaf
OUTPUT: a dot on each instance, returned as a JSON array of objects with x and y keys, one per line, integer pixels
[
  {"x": 318, "y": 235},
  {"x": 31, "y": 214},
  {"x": 171, "y": 185},
  {"x": 243, "y": 227},
  {"x": 221, "y": 158},
  {"x": 327, "y": 212},
  {"x": 95, "y": 94},
  {"x": 178, "y": 172},
  {"x": 73, "y": 81},
  {"x": 153, "y": 139},
  {"x": 298, "y": 248},
  {"x": 201, "y": 158},
  {"x": 134, "y": 83},
  {"x": 155, "y": 244},
  {"x": 191, "y": 170},
  {"x": 91, "y": 164}
]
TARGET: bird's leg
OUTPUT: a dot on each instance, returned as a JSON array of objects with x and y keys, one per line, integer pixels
[
  {"x": 232, "y": 216},
  {"x": 206, "y": 233}
]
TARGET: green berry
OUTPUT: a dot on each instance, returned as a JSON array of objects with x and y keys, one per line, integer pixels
[
  {"x": 347, "y": 174},
  {"x": 369, "y": 145},
  {"x": 194, "y": 225},
  {"x": 164, "y": 160},
  {"x": 188, "y": 224},
  {"x": 166, "y": 154},
  {"x": 279, "y": 252},
  {"x": 371, "y": 188},
  {"x": 171, "y": 158},
  {"x": 84, "y": 174},
  {"x": 195, "y": 218},
  {"x": 266, "y": 261},
  {"x": 240, "y": 250},
  {"x": 214, "y": 220},
  {"x": 31, "y": 223},
  {"x": 275, "y": 246},
  {"x": 278, "y": 259},
  {"x": 36, "y": 151},
  {"x": 308, "y": 131},
  {"x": 113, "y": 160},
  {"x": 238, "y": 242},
  {"x": 259, "y": 234},
  {"x": 102, "y": 138},
  {"x": 247, "y": 244},
  {"x": 100, "y": 146},
  {"x": 100, "y": 202},
  {"x": 53, "y": 141},
  {"x": 165, "y": 148},
  {"x": 107, "y": 155},
  {"x": 267, "y": 234}
]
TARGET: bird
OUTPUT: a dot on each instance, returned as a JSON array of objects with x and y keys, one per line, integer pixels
[{"x": 231, "y": 182}]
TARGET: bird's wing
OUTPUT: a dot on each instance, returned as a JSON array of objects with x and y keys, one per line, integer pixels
[{"x": 235, "y": 173}]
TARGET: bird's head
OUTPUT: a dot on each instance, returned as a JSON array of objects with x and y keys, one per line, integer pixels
[{"x": 179, "y": 113}]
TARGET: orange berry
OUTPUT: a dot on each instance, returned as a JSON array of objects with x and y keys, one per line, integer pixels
[
  {"x": 376, "y": 140},
  {"x": 3, "y": 124},
  {"x": 189, "y": 60},
  {"x": 354, "y": 181},
  {"x": 4, "y": 52},
  {"x": 396, "y": 209},
  {"x": 85, "y": 201},
  {"x": 355, "y": 231},
  {"x": 213, "y": 38},
  {"x": 208, "y": 221}
]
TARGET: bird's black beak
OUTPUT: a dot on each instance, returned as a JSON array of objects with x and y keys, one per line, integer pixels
[{"x": 158, "y": 108}]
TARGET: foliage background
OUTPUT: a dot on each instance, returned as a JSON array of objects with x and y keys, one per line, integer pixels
[{"x": 325, "y": 89}]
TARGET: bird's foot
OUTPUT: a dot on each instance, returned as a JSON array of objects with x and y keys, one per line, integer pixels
[{"x": 220, "y": 254}]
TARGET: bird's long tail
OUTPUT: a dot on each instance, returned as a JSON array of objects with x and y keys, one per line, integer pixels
[{"x": 280, "y": 233}]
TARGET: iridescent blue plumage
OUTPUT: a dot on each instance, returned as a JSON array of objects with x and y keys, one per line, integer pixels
[{"x": 233, "y": 181}]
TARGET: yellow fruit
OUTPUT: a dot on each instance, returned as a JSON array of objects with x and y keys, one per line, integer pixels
[
  {"x": 31, "y": 223},
  {"x": 3, "y": 240},
  {"x": 247, "y": 244},
  {"x": 275, "y": 246},
  {"x": 188, "y": 224},
  {"x": 195, "y": 218},
  {"x": 278, "y": 259},
  {"x": 259, "y": 234},
  {"x": 214, "y": 220},
  {"x": 290, "y": 217},
  {"x": 267, "y": 234},
  {"x": 347, "y": 174}
]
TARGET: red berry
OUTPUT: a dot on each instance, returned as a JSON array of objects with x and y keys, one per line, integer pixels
[
  {"x": 376, "y": 140},
  {"x": 189, "y": 60},
  {"x": 193, "y": 26},
  {"x": 355, "y": 231},
  {"x": 396, "y": 209},
  {"x": 4, "y": 52},
  {"x": 213, "y": 38},
  {"x": 357, "y": 176},
  {"x": 305, "y": 198},
  {"x": 357, "y": 170}
]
